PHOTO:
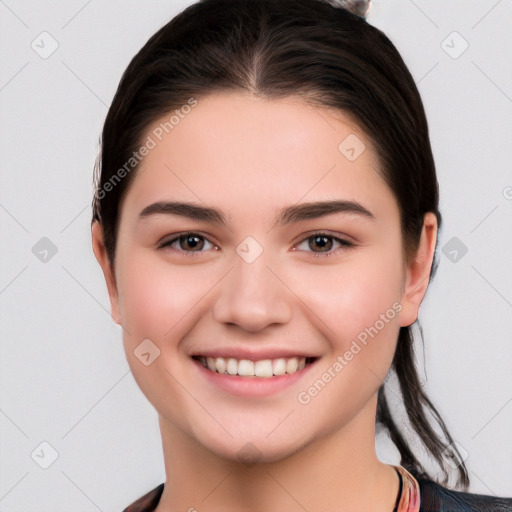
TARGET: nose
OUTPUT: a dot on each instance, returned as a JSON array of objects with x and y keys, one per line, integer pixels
[{"x": 252, "y": 297}]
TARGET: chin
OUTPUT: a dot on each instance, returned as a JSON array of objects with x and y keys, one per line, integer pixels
[
  {"x": 250, "y": 452},
  {"x": 255, "y": 443}
]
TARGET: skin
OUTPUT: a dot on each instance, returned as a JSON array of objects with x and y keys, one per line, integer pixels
[{"x": 251, "y": 157}]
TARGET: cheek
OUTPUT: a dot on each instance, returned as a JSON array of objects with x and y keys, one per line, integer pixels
[
  {"x": 157, "y": 302},
  {"x": 361, "y": 310},
  {"x": 352, "y": 297},
  {"x": 155, "y": 296}
]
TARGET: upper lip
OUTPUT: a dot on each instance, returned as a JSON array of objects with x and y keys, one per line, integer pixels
[{"x": 254, "y": 355}]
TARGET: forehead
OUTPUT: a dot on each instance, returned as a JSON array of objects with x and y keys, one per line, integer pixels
[{"x": 234, "y": 149}]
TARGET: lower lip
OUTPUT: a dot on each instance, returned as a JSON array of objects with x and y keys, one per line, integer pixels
[{"x": 252, "y": 386}]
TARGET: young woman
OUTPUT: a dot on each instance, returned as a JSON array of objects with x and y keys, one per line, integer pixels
[{"x": 266, "y": 219}]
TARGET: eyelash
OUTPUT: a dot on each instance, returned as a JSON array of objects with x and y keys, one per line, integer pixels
[{"x": 344, "y": 243}]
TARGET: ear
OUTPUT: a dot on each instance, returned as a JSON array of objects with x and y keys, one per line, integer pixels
[
  {"x": 418, "y": 272},
  {"x": 100, "y": 251}
]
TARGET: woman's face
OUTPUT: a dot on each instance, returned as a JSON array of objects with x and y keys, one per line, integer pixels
[{"x": 290, "y": 254}]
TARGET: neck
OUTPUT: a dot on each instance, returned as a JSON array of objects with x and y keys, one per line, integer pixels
[{"x": 340, "y": 468}]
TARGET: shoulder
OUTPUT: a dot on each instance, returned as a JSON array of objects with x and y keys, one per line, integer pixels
[
  {"x": 148, "y": 502},
  {"x": 436, "y": 498}
]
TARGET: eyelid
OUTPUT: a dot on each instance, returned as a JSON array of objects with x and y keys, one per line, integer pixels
[
  {"x": 326, "y": 232},
  {"x": 346, "y": 243},
  {"x": 166, "y": 242},
  {"x": 344, "y": 240}
]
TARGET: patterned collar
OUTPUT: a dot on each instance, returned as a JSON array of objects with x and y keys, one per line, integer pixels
[
  {"x": 408, "y": 499},
  {"x": 409, "y": 495}
]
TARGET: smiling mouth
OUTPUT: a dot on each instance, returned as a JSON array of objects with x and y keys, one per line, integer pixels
[{"x": 265, "y": 368}]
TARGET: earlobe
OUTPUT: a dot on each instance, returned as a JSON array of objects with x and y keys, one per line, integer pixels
[
  {"x": 418, "y": 272},
  {"x": 98, "y": 246}
]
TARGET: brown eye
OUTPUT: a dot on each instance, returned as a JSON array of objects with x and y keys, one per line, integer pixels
[
  {"x": 191, "y": 242},
  {"x": 187, "y": 244},
  {"x": 322, "y": 242}
]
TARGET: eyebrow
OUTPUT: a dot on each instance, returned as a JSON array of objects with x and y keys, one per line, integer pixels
[{"x": 288, "y": 215}]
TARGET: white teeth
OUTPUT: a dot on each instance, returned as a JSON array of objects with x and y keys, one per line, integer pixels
[
  {"x": 245, "y": 368},
  {"x": 264, "y": 368},
  {"x": 232, "y": 366},
  {"x": 292, "y": 365},
  {"x": 220, "y": 363},
  {"x": 279, "y": 366}
]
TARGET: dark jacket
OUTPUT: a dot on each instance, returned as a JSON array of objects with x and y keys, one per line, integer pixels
[{"x": 434, "y": 498}]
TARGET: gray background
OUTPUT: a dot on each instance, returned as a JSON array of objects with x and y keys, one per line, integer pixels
[{"x": 64, "y": 379}]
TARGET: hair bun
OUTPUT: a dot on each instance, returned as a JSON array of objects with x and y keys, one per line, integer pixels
[{"x": 358, "y": 7}]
